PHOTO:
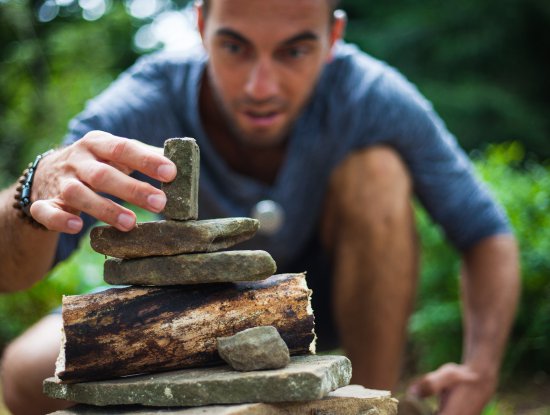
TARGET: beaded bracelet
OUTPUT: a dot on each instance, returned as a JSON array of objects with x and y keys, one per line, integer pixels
[{"x": 23, "y": 196}]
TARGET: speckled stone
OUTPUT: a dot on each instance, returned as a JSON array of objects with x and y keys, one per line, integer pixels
[
  {"x": 254, "y": 349},
  {"x": 305, "y": 378},
  {"x": 349, "y": 400},
  {"x": 172, "y": 237},
  {"x": 182, "y": 193},
  {"x": 230, "y": 266}
]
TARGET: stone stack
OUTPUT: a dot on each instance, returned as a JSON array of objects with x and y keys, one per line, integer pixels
[
  {"x": 181, "y": 249},
  {"x": 127, "y": 331}
]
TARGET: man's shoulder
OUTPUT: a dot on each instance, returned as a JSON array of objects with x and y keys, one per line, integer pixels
[
  {"x": 358, "y": 85},
  {"x": 350, "y": 53},
  {"x": 349, "y": 64},
  {"x": 169, "y": 61},
  {"x": 356, "y": 75}
]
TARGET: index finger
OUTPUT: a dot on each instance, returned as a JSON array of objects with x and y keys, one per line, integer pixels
[{"x": 133, "y": 154}]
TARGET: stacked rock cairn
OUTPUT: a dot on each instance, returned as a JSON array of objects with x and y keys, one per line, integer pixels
[
  {"x": 181, "y": 249},
  {"x": 184, "y": 250},
  {"x": 158, "y": 256}
]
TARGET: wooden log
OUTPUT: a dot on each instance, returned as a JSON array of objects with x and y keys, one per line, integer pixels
[{"x": 135, "y": 330}]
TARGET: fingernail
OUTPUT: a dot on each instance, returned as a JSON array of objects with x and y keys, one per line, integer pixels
[
  {"x": 157, "y": 201},
  {"x": 167, "y": 172},
  {"x": 73, "y": 224},
  {"x": 125, "y": 220}
]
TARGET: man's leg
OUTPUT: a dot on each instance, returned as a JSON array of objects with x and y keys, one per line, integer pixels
[
  {"x": 368, "y": 227},
  {"x": 27, "y": 361}
]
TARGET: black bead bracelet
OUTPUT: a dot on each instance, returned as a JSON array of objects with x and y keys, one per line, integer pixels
[{"x": 23, "y": 192}]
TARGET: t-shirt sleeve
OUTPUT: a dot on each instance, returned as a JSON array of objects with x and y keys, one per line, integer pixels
[
  {"x": 130, "y": 107},
  {"x": 391, "y": 111}
]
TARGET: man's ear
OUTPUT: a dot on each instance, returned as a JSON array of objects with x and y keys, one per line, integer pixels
[
  {"x": 338, "y": 28},
  {"x": 199, "y": 8}
]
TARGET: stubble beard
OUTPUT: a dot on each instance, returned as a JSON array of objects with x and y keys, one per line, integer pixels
[{"x": 244, "y": 138}]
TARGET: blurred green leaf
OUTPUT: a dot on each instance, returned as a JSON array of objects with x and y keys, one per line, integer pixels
[{"x": 523, "y": 187}]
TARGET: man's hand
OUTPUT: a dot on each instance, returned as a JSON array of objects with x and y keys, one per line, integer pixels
[
  {"x": 461, "y": 390},
  {"x": 68, "y": 180}
]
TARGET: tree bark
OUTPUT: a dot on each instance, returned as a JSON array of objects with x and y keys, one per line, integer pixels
[{"x": 134, "y": 330}]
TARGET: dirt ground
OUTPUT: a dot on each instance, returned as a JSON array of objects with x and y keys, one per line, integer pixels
[
  {"x": 528, "y": 397},
  {"x": 522, "y": 397}
]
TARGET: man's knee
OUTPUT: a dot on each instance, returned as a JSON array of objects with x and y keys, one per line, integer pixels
[
  {"x": 26, "y": 362},
  {"x": 13, "y": 385},
  {"x": 371, "y": 188}
]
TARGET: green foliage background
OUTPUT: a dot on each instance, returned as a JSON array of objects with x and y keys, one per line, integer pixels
[
  {"x": 523, "y": 188},
  {"x": 484, "y": 64}
]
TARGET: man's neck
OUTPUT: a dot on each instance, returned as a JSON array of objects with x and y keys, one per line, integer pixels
[{"x": 260, "y": 163}]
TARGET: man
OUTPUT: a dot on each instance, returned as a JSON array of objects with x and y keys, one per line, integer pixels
[{"x": 282, "y": 111}]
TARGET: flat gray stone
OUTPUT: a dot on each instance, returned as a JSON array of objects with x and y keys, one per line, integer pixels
[
  {"x": 349, "y": 400},
  {"x": 182, "y": 193},
  {"x": 254, "y": 349},
  {"x": 228, "y": 266},
  {"x": 172, "y": 237},
  {"x": 306, "y": 378}
]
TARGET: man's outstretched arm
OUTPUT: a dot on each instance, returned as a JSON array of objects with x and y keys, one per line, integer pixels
[
  {"x": 490, "y": 291},
  {"x": 27, "y": 252},
  {"x": 66, "y": 183}
]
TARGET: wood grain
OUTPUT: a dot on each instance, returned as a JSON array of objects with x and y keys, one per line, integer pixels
[{"x": 134, "y": 330}]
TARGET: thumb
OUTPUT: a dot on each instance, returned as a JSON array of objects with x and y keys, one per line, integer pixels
[{"x": 445, "y": 377}]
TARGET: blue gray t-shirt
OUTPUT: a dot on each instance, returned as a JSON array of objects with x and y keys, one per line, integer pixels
[{"x": 358, "y": 102}]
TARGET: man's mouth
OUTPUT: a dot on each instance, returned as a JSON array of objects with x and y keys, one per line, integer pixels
[{"x": 263, "y": 118}]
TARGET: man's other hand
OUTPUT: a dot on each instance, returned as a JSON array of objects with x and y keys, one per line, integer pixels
[
  {"x": 460, "y": 389},
  {"x": 68, "y": 181}
]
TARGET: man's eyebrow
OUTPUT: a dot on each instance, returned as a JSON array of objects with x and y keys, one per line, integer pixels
[
  {"x": 233, "y": 34},
  {"x": 307, "y": 35}
]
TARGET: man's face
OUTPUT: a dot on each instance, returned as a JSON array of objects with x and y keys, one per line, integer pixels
[{"x": 265, "y": 58}]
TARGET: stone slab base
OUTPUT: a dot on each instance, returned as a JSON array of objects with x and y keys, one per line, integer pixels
[
  {"x": 305, "y": 378},
  {"x": 349, "y": 400}
]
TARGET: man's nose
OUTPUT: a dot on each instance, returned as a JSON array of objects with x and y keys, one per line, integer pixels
[{"x": 262, "y": 82}]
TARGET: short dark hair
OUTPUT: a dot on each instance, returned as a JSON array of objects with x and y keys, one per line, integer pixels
[{"x": 332, "y": 3}]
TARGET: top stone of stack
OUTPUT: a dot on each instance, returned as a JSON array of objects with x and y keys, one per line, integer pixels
[{"x": 182, "y": 194}]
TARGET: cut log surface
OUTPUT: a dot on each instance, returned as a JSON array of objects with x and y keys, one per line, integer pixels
[
  {"x": 127, "y": 331},
  {"x": 170, "y": 237}
]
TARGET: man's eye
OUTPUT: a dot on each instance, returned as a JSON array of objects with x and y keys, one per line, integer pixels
[
  {"x": 294, "y": 52},
  {"x": 232, "y": 48}
]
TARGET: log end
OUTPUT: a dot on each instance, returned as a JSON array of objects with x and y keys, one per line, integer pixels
[
  {"x": 60, "y": 361},
  {"x": 309, "y": 312}
]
